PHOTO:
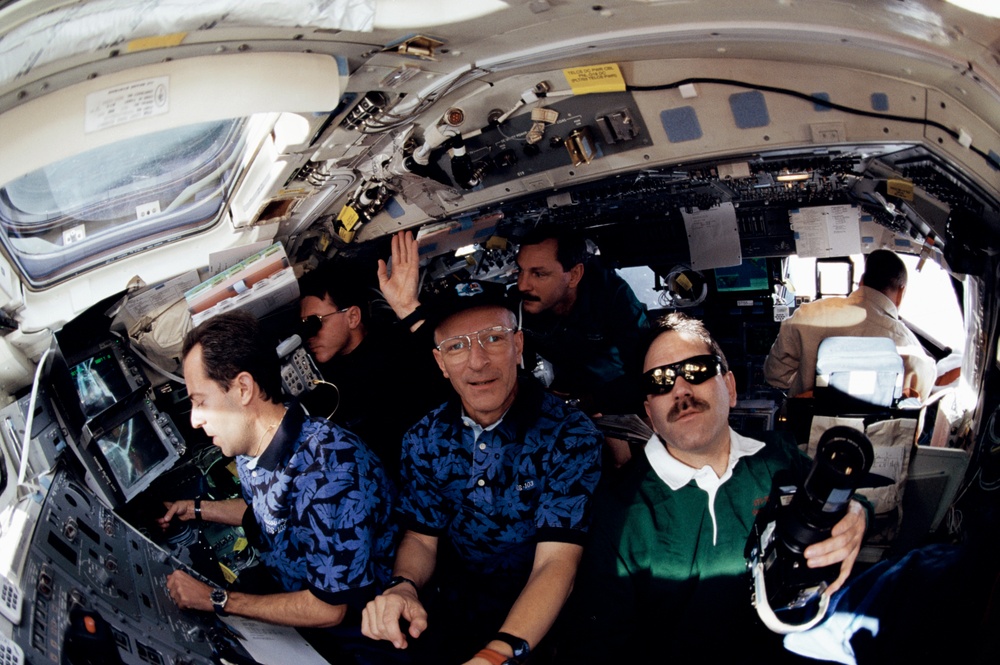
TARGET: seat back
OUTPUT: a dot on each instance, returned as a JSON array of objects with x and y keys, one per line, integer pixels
[{"x": 868, "y": 370}]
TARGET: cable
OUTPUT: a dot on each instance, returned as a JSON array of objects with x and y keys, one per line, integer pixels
[
  {"x": 29, "y": 421},
  {"x": 317, "y": 382},
  {"x": 156, "y": 368},
  {"x": 995, "y": 163},
  {"x": 390, "y": 120}
]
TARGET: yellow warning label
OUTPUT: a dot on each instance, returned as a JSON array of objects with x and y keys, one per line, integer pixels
[
  {"x": 348, "y": 217},
  {"x": 598, "y": 78},
  {"x": 160, "y": 41},
  {"x": 228, "y": 574},
  {"x": 899, "y": 188}
]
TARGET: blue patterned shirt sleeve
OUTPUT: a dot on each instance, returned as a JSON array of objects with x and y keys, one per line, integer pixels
[{"x": 324, "y": 514}]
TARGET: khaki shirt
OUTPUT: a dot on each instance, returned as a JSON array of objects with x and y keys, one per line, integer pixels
[{"x": 791, "y": 364}]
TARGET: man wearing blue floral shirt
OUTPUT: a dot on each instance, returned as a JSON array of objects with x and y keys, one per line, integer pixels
[
  {"x": 496, "y": 489},
  {"x": 318, "y": 496}
]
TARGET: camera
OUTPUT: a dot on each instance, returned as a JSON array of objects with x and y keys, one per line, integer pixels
[{"x": 787, "y": 594}]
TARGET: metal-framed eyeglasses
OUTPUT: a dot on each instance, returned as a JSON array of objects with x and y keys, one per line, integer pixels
[
  {"x": 311, "y": 324},
  {"x": 695, "y": 370},
  {"x": 492, "y": 340}
]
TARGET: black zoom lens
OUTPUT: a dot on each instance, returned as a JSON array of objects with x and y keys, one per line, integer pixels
[
  {"x": 841, "y": 465},
  {"x": 843, "y": 458}
]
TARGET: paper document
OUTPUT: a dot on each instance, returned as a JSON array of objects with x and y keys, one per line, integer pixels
[
  {"x": 713, "y": 237},
  {"x": 274, "y": 645},
  {"x": 825, "y": 231}
]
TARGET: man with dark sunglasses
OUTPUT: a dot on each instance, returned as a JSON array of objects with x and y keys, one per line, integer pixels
[
  {"x": 665, "y": 567},
  {"x": 359, "y": 353}
]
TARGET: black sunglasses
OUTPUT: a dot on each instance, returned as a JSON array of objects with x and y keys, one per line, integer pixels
[
  {"x": 311, "y": 324},
  {"x": 695, "y": 370}
]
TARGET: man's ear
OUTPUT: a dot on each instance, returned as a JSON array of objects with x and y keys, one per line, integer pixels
[
  {"x": 353, "y": 315},
  {"x": 575, "y": 275},
  {"x": 247, "y": 387},
  {"x": 440, "y": 362},
  {"x": 731, "y": 387}
]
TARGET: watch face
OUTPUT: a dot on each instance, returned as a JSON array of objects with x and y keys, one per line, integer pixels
[{"x": 219, "y": 597}]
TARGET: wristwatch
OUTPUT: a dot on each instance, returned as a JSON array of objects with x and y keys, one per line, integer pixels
[
  {"x": 399, "y": 579},
  {"x": 219, "y": 599},
  {"x": 520, "y": 646},
  {"x": 419, "y": 314}
]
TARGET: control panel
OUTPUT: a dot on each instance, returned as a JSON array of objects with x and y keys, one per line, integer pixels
[
  {"x": 298, "y": 372},
  {"x": 89, "y": 574}
]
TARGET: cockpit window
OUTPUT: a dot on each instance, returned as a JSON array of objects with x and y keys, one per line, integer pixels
[
  {"x": 114, "y": 200},
  {"x": 930, "y": 302}
]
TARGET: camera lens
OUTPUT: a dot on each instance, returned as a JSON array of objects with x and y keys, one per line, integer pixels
[{"x": 843, "y": 457}]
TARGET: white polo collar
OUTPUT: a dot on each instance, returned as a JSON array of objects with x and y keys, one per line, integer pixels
[{"x": 677, "y": 474}]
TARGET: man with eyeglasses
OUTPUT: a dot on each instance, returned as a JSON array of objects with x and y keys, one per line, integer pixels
[
  {"x": 357, "y": 352},
  {"x": 582, "y": 323},
  {"x": 665, "y": 567},
  {"x": 496, "y": 489}
]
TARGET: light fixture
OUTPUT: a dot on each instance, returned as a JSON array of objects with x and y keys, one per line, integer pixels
[
  {"x": 401, "y": 14},
  {"x": 792, "y": 176},
  {"x": 984, "y": 7}
]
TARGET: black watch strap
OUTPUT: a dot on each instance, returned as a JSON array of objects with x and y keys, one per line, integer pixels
[
  {"x": 219, "y": 597},
  {"x": 399, "y": 579},
  {"x": 519, "y": 645},
  {"x": 419, "y": 314},
  {"x": 197, "y": 509}
]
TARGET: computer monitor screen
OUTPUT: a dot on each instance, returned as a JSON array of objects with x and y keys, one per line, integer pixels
[
  {"x": 751, "y": 275},
  {"x": 100, "y": 382},
  {"x": 132, "y": 449}
]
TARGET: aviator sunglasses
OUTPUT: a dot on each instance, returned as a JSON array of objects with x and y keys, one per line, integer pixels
[
  {"x": 311, "y": 324},
  {"x": 695, "y": 370}
]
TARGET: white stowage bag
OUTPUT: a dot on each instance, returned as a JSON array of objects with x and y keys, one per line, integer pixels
[{"x": 159, "y": 334}]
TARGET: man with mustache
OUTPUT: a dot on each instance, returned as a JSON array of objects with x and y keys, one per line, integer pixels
[
  {"x": 583, "y": 320},
  {"x": 665, "y": 566},
  {"x": 495, "y": 498}
]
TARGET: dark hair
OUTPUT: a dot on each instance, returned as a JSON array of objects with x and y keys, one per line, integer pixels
[
  {"x": 884, "y": 271},
  {"x": 571, "y": 248},
  {"x": 341, "y": 283},
  {"x": 683, "y": 324},
  {"x": 232, "y": 343}
]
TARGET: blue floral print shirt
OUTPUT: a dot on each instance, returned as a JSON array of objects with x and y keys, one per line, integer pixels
[
  {"x": 528, "y": 478},
  {"x": 323, "y": 504}
]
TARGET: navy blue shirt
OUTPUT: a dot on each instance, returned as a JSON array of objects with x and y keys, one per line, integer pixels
[
  {"x": 323, "y": 504},
  {"x": 528, "y": 478},
  {"x": 596, "y": 349}
]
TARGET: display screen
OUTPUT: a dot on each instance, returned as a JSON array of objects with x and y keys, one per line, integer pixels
[
  {"x": 99, "y": 382},
  {"x": 132, "y": 449},
  {"x": 751, "y": 275}
]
